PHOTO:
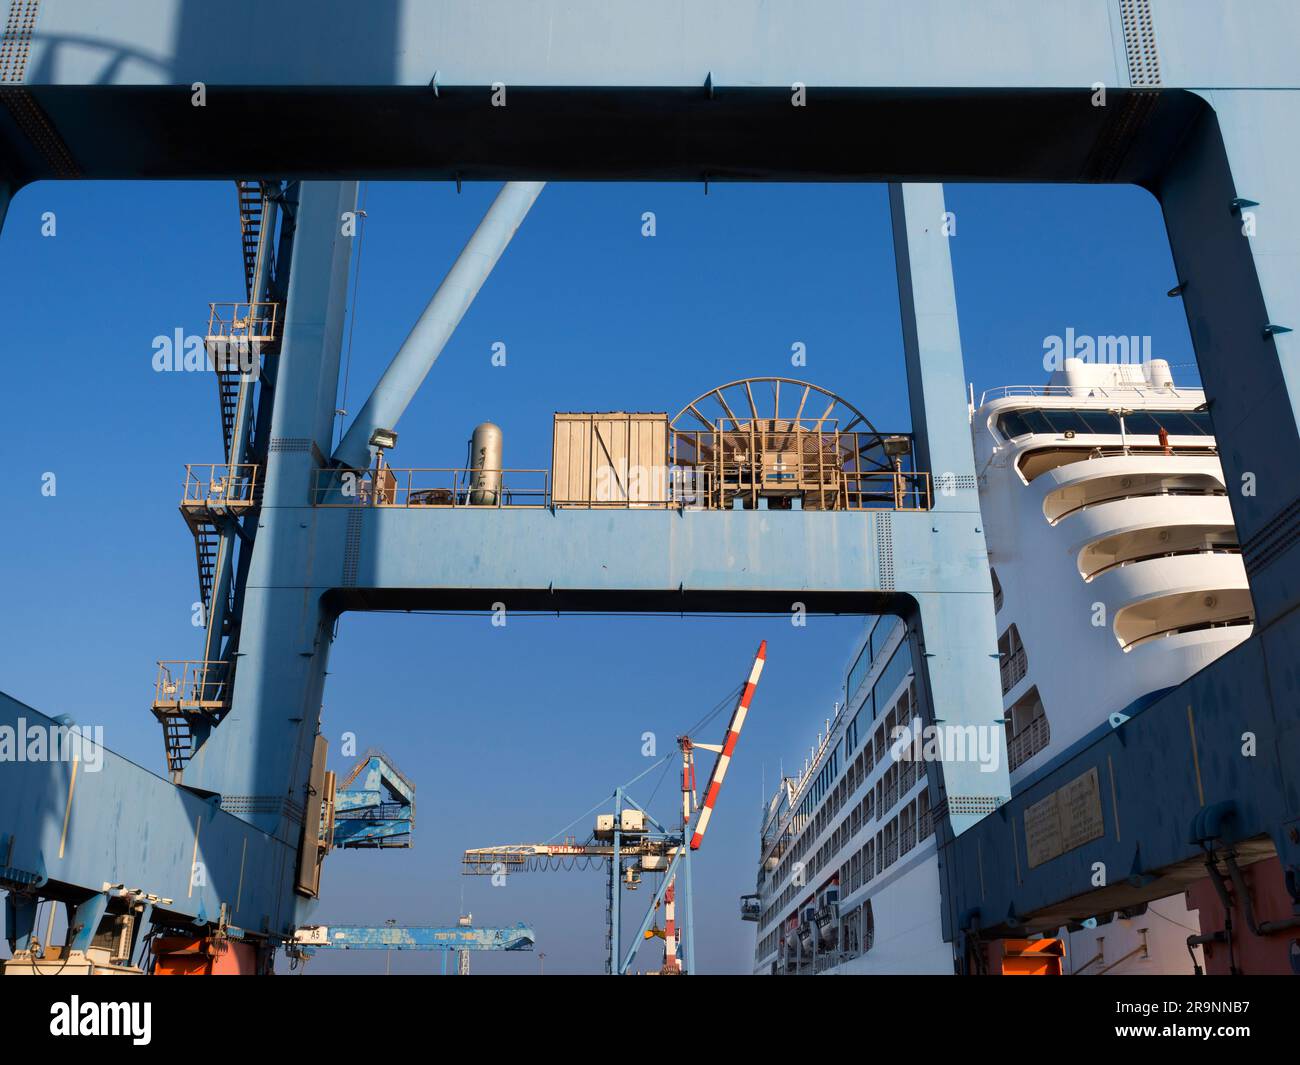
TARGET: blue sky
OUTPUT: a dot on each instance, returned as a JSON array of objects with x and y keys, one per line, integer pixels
[{"x": 509, "y": 734}]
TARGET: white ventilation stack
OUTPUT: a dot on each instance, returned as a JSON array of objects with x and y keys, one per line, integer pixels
[{"x": 1159, "y": 376}]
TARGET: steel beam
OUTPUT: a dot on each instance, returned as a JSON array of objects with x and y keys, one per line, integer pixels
[
  {"x": 422, "y": 346},
  {"x": 954, "y": 616},
  {"x": 72, "y": 826},
  {"x": 259, "y": 758},
  {"x": 414, "y": 937}
]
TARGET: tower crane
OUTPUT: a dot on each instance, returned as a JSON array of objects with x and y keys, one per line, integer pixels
[{"x": 629, "y": 841}]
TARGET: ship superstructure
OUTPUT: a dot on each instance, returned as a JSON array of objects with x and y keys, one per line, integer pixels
[{"x": 1116, "y": 575}]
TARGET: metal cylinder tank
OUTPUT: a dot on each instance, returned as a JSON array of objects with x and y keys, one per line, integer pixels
[{"x": 485, "y": 449}]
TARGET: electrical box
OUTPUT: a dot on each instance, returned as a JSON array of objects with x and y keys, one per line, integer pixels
[
  {"x": 610, "y": 460},
  {"x": 632, "y": 823}
]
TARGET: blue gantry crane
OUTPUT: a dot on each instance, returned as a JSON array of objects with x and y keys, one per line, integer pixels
[
  {"x": 1101, "y": 91},
  {"x": 374, "y": 808},
  {"x": 460, "y": 939}
]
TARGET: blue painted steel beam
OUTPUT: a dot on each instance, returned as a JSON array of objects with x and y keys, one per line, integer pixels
[
  {"x": 839, "y": 43},
  {"x": 71, "y": 830},
  {"x": 259, "y": 758},
  {"x": 376, "y": 809},
  {"x": 420, "y": 350},
  {"x": 954, "y": 611},
  {"x": 415, "y": 937},
  {"x": 560, "y": 559}
]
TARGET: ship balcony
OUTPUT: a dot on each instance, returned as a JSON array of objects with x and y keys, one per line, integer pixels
[
  {"x": 1089, "y": 483},
  {"x": 1126, "y": 530},
  {"x": 1014, "y": 668},
  {"x": 1026, "y": 743},
  {"x": 1164, "y": 596}
]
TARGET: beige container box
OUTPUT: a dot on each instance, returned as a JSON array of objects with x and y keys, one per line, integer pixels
[{"x": 615, "y": 460}]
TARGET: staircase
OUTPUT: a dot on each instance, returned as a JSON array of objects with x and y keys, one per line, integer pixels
[
  {"x": 186, "y": 692},
  {"x": 230, "y": 383},
  {"x": 201, "y": 691},
  {"x": 250, "y": 227},
  {"x": 178, "y": 740},
  {"x": 206, "y": 542},
  {"x": 216, "y": 495}
]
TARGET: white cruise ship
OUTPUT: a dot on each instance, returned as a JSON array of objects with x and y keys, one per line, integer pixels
[{"x": 1116, "y": 575}]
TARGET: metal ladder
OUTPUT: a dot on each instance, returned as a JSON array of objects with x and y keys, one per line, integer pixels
[
  {"x": 178, "y": 739},
  {"x": 206, "y": 541},
  {"x": 230, "y": 381},
  {"x": 250, "y": 227},
  {"x": 229, "y": 385}
]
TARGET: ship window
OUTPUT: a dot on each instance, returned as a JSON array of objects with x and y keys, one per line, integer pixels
[
  {"x": 894, "y": 673},
  {"x": 1066, "y": 421},
  {"x": 1036, "y": 421},
  {"x": 1141, "y": 423},
  {"x": 1185, "y": 422},
  {"x": 859, "y": 670},
  {"x": 1015, "y": 423},
  {"x": 1099, "y": 422},
  {"x": 1011, "y": 424}
]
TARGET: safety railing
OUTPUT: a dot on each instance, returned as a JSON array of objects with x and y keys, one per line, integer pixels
[
  {"x": 220, "y": 486},
  {"x": 1126, "y": 391},
  {"x": 1028, "y": 742},
  {"x": 659, "y": 487},
  {"x": 433, "y": 488},
  {"x": 192, "y": 686},
  {"x": 1013, "y": 669},
  {"x": 1210, "y": 549},
  {"x": 1137, "y": 451},
  {"x": 683, "y": 488},
  {"x": 244, "y": 321},
  {"x": 1209, "y": 493}
]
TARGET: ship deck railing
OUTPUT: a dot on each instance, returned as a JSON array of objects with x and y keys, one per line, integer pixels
[
  {"x": 1121, "y": 391},
  {"x": 1163, "y": 490},
  {"x": 1028, "y": 742}
]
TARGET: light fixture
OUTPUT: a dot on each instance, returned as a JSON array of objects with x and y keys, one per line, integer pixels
[
  {"x": 384, "y": 439},
  {"x": 898, "y": 446}
]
